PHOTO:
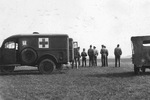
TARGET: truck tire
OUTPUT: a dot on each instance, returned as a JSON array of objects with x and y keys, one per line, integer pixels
[
  {"x": 28, "y": 56},
  {"x": 136, "y": 70},
  {"x": 46, "y": 66},
  {"x": 143, "y": 69},
  {"x": 7, "y": 69}
]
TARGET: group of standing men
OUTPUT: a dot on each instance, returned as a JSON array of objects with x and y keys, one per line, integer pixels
[{"x": 93, "y": 53}]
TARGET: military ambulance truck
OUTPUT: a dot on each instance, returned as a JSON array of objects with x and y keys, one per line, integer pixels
[
  {"x": 71, "y": 50},
  {"x": 140, "y": 53},
  {"x": 45, "y": 51}
]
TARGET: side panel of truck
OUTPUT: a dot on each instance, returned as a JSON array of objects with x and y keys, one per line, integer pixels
[
  {"x": 56, "y": 46},
  {"x": 71, "y": 50}
]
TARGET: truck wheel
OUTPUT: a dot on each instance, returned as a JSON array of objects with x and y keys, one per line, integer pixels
[
  {"x": 46, "y": 66},
  {"x": 28, "y": 56},
  {"x": 8, "y": 69},
  {"x": 143, "y": 69},
  {"x": 136, "y": 70}
]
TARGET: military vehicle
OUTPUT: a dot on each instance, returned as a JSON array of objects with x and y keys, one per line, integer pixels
[
  {"x": 47, "y": 52},
  {"x": 140, "y": 53},
  {"x": 71, "y": 50}
]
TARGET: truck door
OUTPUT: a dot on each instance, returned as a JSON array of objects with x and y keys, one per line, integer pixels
[{"x": 9, "y": 52}]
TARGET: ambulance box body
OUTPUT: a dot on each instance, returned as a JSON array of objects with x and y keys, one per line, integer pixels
[{"x": 45, "y": 51}]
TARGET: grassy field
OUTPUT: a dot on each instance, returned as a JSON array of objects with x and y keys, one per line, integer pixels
[{"x": 88, "y": 83}]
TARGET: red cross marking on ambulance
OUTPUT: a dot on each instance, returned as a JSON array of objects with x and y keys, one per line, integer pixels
[{"x": 43, "y": 43}]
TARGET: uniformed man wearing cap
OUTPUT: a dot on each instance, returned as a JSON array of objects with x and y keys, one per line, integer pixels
[
  {"x": 83, "y": 55},
  {"x": 103, "y": 53},
  {"x": 95, "y": 56},
  {"x": 106, "y": 61},
  {"x": 117, "y": 53},
  {"x": 90, "y": 54}
]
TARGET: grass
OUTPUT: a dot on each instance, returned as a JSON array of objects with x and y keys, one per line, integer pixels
[{"x": 89, "y": 83}]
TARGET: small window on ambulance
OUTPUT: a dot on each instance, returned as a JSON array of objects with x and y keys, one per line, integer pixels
[
  {"x": 132, "y": 47},
  {"x": 10, "y": 45},
  {"x": 146, "y": 43},
  {"x": 75, "y": 45}
]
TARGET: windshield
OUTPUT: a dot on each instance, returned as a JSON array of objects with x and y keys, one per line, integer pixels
[
  {"x": 132, "y": 47},
  {"x": 146, "y": 43},
  {"x": 10, "y": 45},
  {"x": 75, "y": 44}
]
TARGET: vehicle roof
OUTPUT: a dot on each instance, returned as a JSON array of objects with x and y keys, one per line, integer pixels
[
  {"x": 140, "y": 37},
  {"x": 35, "y": 35}
]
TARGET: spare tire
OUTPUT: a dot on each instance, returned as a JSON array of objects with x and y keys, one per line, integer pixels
[{"x": 28, "y": 56}]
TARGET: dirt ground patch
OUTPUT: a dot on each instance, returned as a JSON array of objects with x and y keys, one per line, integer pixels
[{"x": 85, "y": 83}]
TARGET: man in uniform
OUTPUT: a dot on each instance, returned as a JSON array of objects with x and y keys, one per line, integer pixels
[
  {"x": 106, "y": 56},
  {"x": 83, "y": 55},
  {"x": 95, "y": 56},
  {"x": 77, "y": 57},
  {"x": 103, "y": 53},
  {"x": 117, "y": 53},
  {"x": 90, "y": 54}
]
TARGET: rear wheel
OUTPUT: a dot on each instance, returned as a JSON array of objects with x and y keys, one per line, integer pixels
[
  {"x": 143, "y": 69},
  {"x": 136, "y": 70},
  {"x": 7, "y": 69},
  {"x": 46, "y": 66}
]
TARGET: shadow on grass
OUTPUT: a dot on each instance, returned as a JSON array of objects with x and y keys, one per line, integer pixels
[
  {"x": 119, "y": 75},
  {"x": 30, "y": 72}
]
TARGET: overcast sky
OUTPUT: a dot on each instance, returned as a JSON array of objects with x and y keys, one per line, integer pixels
[{"x": 96, "y": 22}]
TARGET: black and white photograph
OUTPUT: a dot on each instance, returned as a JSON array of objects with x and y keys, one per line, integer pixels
[{"x": 74, "y": 49}]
